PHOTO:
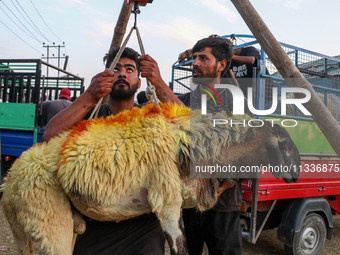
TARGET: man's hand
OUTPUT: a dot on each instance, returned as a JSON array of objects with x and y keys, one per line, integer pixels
[
  {"x": 101, "y": 85},
  {"x": 225, "y": 185},
  {"x": 150, "y": 70},
  {"x": 185, "y": 56}
]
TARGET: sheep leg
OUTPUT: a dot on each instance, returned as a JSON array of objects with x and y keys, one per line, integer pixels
[
  {"x": 169, "y": 215},
  {"x": 31, "y": 248},
  {"x": 74, "y": 240},
  {"x": 173, "y": 227},
  {"x": 27, "y": 249}
]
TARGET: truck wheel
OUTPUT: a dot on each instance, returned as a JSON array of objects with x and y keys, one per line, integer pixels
[{"x": 311, "y": 238}]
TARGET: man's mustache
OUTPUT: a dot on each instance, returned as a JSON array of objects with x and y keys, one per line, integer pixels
[
  {"x": 121, "y": 81},
  {"x": 197, "y": 69}
]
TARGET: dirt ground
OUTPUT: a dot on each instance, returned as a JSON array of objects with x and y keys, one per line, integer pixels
[{"x": 267, "y": 243}]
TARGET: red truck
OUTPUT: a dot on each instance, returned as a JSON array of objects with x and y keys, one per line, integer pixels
[{"x": 302, "y": 211}]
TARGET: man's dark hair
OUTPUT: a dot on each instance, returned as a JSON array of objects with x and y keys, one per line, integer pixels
[
  {"x": 141, "y": 98},
  {"x": 221, "y": 48},
  {"x": 127, "y": 53}
]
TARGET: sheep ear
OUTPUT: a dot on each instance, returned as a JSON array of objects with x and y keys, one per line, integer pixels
[{"x": 274, "y": 157}]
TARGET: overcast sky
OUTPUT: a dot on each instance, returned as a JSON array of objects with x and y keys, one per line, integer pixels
[{"x": 167, "y": 27}]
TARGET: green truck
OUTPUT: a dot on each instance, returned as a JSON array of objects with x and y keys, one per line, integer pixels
[{"x": 22, "y": 88}]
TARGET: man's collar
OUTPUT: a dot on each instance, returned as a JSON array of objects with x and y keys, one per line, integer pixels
[{"x": 197, "y": 92}]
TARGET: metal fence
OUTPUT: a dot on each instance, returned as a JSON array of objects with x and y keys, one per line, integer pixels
[
  {"x": 322, "y": 71},
  {"x": 21, "y": 81}
]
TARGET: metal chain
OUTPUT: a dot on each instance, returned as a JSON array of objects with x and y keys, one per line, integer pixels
[{"x": 150, "y": 90}]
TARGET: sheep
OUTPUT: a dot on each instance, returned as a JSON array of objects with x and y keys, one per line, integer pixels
[{"x": 127, "y": 165}]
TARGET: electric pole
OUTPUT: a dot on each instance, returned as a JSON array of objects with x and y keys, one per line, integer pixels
[{"x": 48, "y": 56}]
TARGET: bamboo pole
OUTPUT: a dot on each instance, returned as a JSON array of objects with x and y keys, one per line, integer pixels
[
  {"x": 119, "y": 31},
  {"x": 321, "y": 115},
  {"x": 120, "y": 28}
]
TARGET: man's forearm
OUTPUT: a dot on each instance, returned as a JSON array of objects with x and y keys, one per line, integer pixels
[
  {"x": 165, "y": 94},
  {"x": 68, "y": 117},
  {"x": 248, "y": 60}
]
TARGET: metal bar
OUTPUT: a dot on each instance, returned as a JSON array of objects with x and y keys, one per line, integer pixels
[
  {"x": 309, "y": 52},
  {"x": 1, "y": 82},
  {"x": 295, "y": 117},
  {"x": 19, "y": 60},
  {"x": 183, "y": 78},
  {"x": 12, "y": 91},
  {"x": 16, "y": 69},
  {"x": 254, "y": 200},
  {"x": 265, "y": 220},
  {"x": 178, "y": 67},
  {"x": 35, "y": 134},
  {"x": 36, "y": 91},
  {"x": 319, "y": 154},
  {"x": 171, "y": 85},
  {"x": 66, "y": 62},
  {"x": 184, "y": 85},
  {"x": 275, "y": 78},
  {"x": 239, "y": 35},
  {"x": 28, "y": 89},
  {"x": 61, "y": 70},
  {"x": 42, "y": 94},
  {"x": 245, "y": 45},
  {"x": 21, "y": 89},
  {"x": 321, "y": 74},
  {"x": 4, "y": 95}
]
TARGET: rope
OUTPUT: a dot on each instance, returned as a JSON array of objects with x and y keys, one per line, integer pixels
[
  {"x": 112, "y": 66},
  {"x": 150, "y": 90}
]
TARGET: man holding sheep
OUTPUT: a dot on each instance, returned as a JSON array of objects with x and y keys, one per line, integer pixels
[{"x": 141, "y": 235}]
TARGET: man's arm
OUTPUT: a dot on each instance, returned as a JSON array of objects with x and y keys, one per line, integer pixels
[
  {"x": 150, "y": 70},
  {"x": 248, "y": 60},
  {"x": 224, "y": 185},
  {"x": 249, "y": 56},
  {"x": 185, "y": 56},
  {"x": 101, "y": 85}
]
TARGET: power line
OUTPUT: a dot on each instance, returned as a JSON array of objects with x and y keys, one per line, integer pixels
[
  {"x": 20, "y": 37},
  {"x": 23, "y": 16},
  {"x": 35, "y": 27},
  {"x": 19, "y": 21},
  {"x": 44, "y": 21},
  {"x": 19, "y": 26}
]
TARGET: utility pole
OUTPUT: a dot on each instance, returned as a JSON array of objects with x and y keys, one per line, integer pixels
[{"x": 48, "y": 57}]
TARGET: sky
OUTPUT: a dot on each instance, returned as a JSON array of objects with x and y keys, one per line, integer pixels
[{"x": 167, "y": 27}]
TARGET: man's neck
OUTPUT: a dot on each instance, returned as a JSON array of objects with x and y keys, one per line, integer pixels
[{"x": 117, "y": 106}]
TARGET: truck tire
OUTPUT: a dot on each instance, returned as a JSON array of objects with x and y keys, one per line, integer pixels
[{"x": 311, "y": 239}]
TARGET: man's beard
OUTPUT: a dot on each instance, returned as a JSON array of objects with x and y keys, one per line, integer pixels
[
  {"x": 121, "y": 93},
  {"x": 207, "y": 77}
]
